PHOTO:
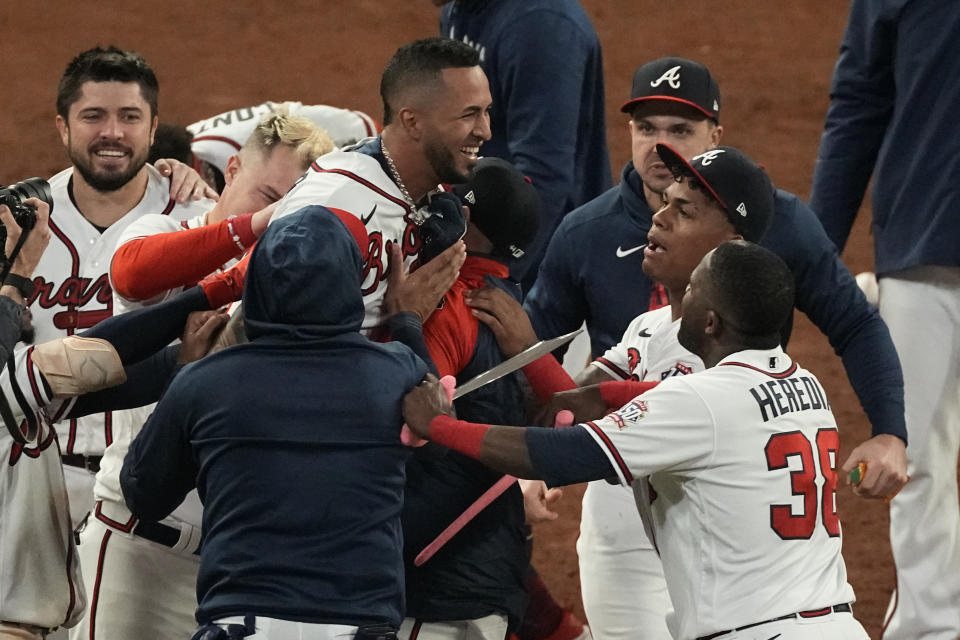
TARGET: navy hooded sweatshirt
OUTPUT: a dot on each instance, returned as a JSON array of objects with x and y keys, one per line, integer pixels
[{"x": 293, "y": 441}]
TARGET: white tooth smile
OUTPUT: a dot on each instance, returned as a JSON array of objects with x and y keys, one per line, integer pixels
[
  {"x": 470, "y": 151},
  {"x": 111, "y": 154}
]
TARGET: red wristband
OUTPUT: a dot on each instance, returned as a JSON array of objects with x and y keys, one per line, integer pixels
[
  {"x": 465, "y": 437},
  {"x": 617, "y": 393},
  {"x": 548, "y": 377}
]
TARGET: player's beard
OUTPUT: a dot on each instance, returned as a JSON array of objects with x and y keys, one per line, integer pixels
[
  {"x": 444, "y": 164},
  {"x": 107, "y": 180}
]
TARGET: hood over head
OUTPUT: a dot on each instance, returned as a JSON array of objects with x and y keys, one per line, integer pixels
[{"x": 303, "y": 280}]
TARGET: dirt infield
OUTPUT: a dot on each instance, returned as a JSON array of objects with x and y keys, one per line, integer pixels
[{"x": 773, "y": 61}]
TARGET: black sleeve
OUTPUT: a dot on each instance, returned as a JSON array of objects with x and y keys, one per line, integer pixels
[
  {"x": 406, "y": 328},
  {"x": 567, "y": 455},
  {"x": 145, "y": 383},
  {"x": 10, "y": 315},
  {"x": 159, "y": 469}
]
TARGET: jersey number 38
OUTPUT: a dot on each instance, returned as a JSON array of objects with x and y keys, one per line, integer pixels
[{"x": 817, "y": 505}]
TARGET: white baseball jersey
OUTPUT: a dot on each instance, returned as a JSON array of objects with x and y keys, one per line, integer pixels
[
  {"x": 649, "y": 351},
  {"x": 216, "y": 139},
  {"x": 355, "y": 182},
  {"x": 73, "y": 288},
  {"x": 741, "y": 460},
  {"x": 40, "y": 582},
  {"x": 127, "y": 423}
]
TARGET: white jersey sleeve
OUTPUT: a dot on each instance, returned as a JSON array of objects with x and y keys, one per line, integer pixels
[
  {"x": 217, "y": 138},
  {"x": 668, "y": 427}
]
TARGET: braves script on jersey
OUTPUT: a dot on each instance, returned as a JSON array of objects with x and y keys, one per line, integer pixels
[
  {"x": 741, "y": 495},
  {"x": 356, "y": 182},
  {"x": 73, "y": 289},
  {"x": 216, "y": 139}
]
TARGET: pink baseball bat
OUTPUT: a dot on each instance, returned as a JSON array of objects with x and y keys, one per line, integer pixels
[{"x": 564, "y": 419}]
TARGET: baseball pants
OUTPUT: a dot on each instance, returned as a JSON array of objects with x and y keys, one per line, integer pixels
[
  {"x": 921, "y": 306},
  {"x": 621, "y": 576},
  {"x": 136, "y": 588},
  {"x": 492, "y": 627},
  {"x": 836, "y": 626},
  {"x": 276, "y": 629}
]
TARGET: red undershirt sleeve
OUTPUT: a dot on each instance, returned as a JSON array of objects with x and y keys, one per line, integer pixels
[
  {"x": 146, "y": 267},
  {"x": 547, "y": 377},
  {"x": 617, "y": 393}
]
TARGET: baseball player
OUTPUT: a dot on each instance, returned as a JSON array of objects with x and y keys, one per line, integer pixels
[
  {"x": 545, "y": 66},
  {"x": 143, "y": 574},
  {"x": 289, "y": 552},
  {"x": 891, "y": 117},
  {"x": 40, "y": 585},
  {"x": 713, "y": 459},
  {"x": 217, "y": 139},
  {"x": 474, "y": 587},
  {"x": 436, "y": 102},
  {"x": 106, "y": 115},
  {"x": 597, "y": 253}
]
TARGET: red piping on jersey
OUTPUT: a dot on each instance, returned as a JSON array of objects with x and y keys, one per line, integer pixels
[
  {"x": 415, "y": 631},
  {"x": 617, "y": 370},
  {"x": 369, "y": 129},
  {"x": 32, "y": 378},
  {"x": 232, "y": 143},
  {"x": 73, "y": 591},
  {"x": 170, "y": 205},
  {"x": 616, "y": 454},
  {"x": 126, "y": 528},
  {"x": 316, "y": 167},
  {"x": 782, "y": 374},
  {"x": 96, "y": 583}
]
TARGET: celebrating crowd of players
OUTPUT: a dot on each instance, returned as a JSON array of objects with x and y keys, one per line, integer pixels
[{"x": 340, "y": 268}]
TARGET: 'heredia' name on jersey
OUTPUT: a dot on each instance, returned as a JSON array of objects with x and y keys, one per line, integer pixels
[{"x": 801, "y": 393}]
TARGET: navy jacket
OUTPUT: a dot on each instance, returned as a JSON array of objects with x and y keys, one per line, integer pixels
[
  {"x": 583, "y": 278},
  {"x": 545, "y": 67},
  {"x": 893, "y": 114},
  {"x": 293, "y": 441},
  {"x": 483, "y": 569}
]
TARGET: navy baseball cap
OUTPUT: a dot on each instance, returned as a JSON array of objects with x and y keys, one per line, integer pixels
[
  {"x": 676, "y": 80},
  {"x": 503, "y": 204},
  {"x": 741, "y": 187}
]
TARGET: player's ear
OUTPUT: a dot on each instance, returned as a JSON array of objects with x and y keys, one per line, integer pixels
[
  {"x": 153, "y": 128},
  {"x": 64, "y": 130},
  {"x": 410, "y": 121},
  {"x": 716, "y": 132},
  {"x": 712, "y": 323},
  {"x": 232, "y": 169}
]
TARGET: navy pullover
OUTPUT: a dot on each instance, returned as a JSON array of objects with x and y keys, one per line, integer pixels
[
  {"x": 544, "y": 64},
  {"x": 893, "y": 114},
  {"x": 293, "y": 442}
]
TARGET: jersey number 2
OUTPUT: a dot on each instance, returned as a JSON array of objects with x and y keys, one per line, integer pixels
[{"x": 779, "y": 449}]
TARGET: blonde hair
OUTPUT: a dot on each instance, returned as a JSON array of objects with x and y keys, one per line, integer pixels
[{"x": 307, "y": 139}]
